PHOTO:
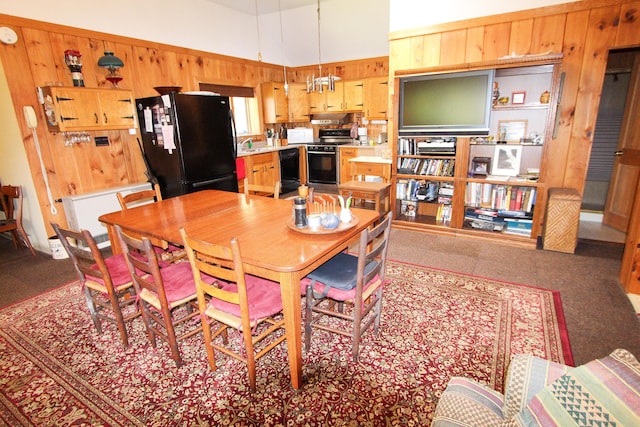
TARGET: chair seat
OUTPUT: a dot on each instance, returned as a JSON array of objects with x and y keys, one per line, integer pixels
[
  {"x": 118, "y": 270},
  {"x": 263, "y": 298},
  {"x": 179, "y": 285},
  {"x": 338, "y": 294}
]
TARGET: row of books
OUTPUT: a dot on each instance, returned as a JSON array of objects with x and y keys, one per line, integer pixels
[
  {"x": 423, "y": 190},
  {"x": 491, "y": 220},
  {"x": 432, "y": 167},
  {"x": 502, "y": 197}
]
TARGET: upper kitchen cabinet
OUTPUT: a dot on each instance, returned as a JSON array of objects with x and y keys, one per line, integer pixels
[
  {"x": 352, "y": 97},
  {"x": 375, "y": 98},
  {"x": 327, "y": 101},
  {"x": 298, "y": 102},
  {"x": 275, "y": 104},
  {"x": 84, "y": 109},
  {"x": 346, "y": 97}
]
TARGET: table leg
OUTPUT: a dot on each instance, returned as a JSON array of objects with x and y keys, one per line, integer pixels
[
  {"x": 113, "y": 238},
  {"x": 290, "y": 290}
]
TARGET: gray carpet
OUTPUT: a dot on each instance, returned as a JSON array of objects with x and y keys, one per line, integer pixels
[{"x": 599, "y": 316}]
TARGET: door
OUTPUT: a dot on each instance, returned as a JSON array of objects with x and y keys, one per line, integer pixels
[
  {"x": 205, "y": 137},
  {"x": 626, "y": 167}
]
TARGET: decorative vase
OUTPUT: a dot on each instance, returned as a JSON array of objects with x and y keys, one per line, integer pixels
[{"x": 345, "y": 215}]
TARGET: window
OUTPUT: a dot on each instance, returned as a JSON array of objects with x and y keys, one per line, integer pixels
[
  {"x": 246, "y": 116},
  {"x": 243, "y": 104}
]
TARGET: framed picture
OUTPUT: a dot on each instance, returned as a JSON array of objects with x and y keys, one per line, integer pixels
[
  {"x": 518, "y": 97},
  {"x": 506, "y": 160},
  {"x": 511, "y": 130},
  {"x": 481, "y": 166}
]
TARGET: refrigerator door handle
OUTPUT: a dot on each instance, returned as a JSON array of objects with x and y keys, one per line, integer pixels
[{"x": 207, "y": 182}]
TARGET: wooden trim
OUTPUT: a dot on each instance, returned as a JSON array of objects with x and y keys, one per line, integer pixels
[
  {"x": 505, "y": 17},
  {"x": 551, "y": 58}
]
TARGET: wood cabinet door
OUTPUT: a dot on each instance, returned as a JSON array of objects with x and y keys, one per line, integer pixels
[
  {"x": 275, "y": 104},
  {"x": 116, "y": 109},
  {"x": 76, "y": 108},
  {"x": 346, "y": 154},
  {"x": 262, "y": 169},
  {"x": 375, "y": 97},
  {"x": 335, "y": 100},
  {"x": 353, "y": 92},
  {"x": 298, "y": 102}
]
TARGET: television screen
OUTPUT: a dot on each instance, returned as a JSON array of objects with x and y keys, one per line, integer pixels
[{"x": 446, "y": 104}]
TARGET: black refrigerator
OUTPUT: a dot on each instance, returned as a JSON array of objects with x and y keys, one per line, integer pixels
[{"x": 188, "y": 142}]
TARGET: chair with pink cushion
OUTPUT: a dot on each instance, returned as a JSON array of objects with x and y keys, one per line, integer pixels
[
  {"x": 344, "y": 295},
  {"x": 106, "y": 282},
  {"x": 236, "y": 300},
  {"x": 166, "y": 296},
  {"x": 165, "y": 250}
]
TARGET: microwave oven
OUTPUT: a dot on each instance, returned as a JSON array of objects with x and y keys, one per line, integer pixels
[{"x": 300, "y": 135}]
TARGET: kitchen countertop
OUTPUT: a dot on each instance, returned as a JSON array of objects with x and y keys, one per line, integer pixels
[{"x": 265, "y": 149}]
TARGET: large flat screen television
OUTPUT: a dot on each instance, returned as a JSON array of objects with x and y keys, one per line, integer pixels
[{"x": 446, "y": 104}]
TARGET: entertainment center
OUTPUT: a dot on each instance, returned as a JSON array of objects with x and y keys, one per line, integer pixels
[{"x": 470, "y": 149}]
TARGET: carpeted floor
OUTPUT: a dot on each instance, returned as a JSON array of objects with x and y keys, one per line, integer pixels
[{"x": 57, "y": 371}]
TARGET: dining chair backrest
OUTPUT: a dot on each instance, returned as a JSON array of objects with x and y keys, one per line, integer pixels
[
  {"x": 139, "y": 197},
  {"x": 262, "y": 190},
  {"x": 100, "y": 276},
  {"x": 161, "y": 291},
  {"x": 11, "y": 198},
  {"x": 233, "y": 300},
  {"x": 143, "y": 264},
  {"x": 332, "y": 285}
]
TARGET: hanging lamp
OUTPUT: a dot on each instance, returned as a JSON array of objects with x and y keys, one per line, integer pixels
[{"x": 317, "y": 84}]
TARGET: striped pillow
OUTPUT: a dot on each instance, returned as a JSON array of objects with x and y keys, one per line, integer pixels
[
  {"x": 604, "y": 392},
  {"x": 466, "y": 402}
]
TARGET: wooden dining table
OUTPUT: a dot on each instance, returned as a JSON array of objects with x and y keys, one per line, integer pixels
[{"x": 270, "y": 244}]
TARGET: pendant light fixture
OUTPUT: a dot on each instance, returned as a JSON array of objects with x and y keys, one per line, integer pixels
[
  {"x": 316, "y": 84},
  {"x": 258, "y": 32},
  {"x": 286, "y": 85}
]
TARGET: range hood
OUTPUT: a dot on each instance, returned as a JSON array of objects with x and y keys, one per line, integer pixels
[{"x": 329, "y": 119}]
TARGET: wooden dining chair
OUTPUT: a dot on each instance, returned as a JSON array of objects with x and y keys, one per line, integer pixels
[
  {"x": 106, "y": 282},
  {"x": 164, "y": 249},
  {"x": 138, "y": 198},
  {"x": 348, "y": 288},
  {"x": 11, "y": 200},
  {"x": 166, "y": 296},
  {"x": 235, "y": 300},
  {"x": 262, "y": 190}
]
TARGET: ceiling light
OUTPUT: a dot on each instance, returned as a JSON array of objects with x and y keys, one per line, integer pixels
[{"x": 316, "y": 84}]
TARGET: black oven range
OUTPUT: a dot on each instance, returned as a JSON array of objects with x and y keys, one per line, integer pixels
[{"x": 322, "y": 157}]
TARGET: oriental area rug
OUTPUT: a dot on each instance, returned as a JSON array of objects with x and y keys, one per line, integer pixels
[{"x": 56, "y": 370}]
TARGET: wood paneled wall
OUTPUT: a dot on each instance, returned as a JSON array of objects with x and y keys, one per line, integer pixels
[
  {"x": 37, "y": 60},
  {"x": 583, "y": 31}
]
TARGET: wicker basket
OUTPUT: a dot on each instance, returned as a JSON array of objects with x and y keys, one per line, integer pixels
[{"x": 563, "y": 220}]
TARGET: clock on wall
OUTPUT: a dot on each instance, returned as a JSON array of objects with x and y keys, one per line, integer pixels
[{"x": 8, "y": 36}]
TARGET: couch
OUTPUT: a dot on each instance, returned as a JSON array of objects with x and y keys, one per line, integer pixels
[{"x": 603, "y": 392}]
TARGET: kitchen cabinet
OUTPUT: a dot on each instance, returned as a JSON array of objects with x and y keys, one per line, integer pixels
[
  {"x": 375, "y": 98},
  {"x": 85, "y": 109},
  {"x": 298, "y": 103},
  {"x": 275, "y": 105},
  {"x": 347, "y": 97},
  {"x": 263, "y": 168},
  {"x": 352, "y": 96},
  {"x": 327, "y": 101}
]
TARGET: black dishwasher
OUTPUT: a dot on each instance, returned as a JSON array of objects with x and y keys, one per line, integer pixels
[{"x": 289, "y": 170}]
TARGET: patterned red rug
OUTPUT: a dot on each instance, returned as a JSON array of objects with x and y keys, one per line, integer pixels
[{"x": 55, "y": 370}]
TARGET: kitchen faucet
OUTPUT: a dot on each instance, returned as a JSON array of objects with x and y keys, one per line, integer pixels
[{"x": 248, "y": 140}]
